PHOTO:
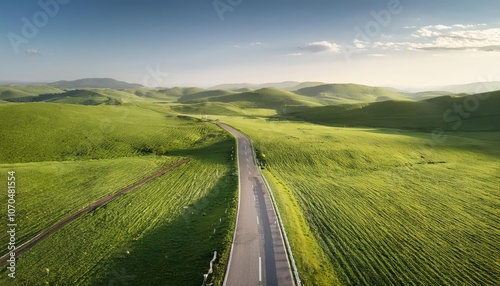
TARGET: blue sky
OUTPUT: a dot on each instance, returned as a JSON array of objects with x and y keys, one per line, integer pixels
[{"x": 402, "y": 43}]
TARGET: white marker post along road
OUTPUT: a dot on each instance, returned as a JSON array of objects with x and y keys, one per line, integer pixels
[{"x": 258, "y": 255}]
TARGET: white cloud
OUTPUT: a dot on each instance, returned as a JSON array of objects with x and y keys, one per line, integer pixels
[
  {"x": 377, "y": 55},
  {"x": 469, "y": 39},
  {"x": 476, "y": 37},
  {"x": 250, "y": 45},
  {"x": 32, "y": 52},
  {"x": 439, "y": 27},
  {"x": 426, "y": 33},
  {"x": 256, "y": 44},
  {"x": 462, "y": 26},
  {"x": 438, "y": 30},
  {"x": 294, "y": 54},
  {"x": 321, "y": 46}
]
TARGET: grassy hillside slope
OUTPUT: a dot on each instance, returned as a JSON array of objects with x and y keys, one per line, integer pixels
[
  {"x": 350, "y": 93},
  {"x": 94, "y": 83},
  {"x": 474, "y": 112},
  {"x": 386, "y": 207},
  {"x": 67, "y": 156},
  {"x": 204, "y": 94},
  {"x": 269, "y": 98},
  {"x": 13, "y": 92}
]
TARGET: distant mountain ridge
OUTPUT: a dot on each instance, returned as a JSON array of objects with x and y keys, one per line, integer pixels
[
  {"x": 285, "y": 85},
  {"x": 473, "y": 88},
  {"x": 94, "y": 83}
]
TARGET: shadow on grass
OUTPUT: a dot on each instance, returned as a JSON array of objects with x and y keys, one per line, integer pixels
[
  {"x": 211, "y": 153},
  {"x": 178, "y": 252},
  {"x": 435, "y": 137}
]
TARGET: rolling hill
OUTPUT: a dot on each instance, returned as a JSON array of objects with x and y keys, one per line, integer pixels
[
  {"x": 94, "y": 83},
  {"x": 180, "y": 91},
  {"x": 205, "y": 94},
  {"x": 267, "y": 98},
  {"x": 285, "y": 85},
  {"x": 78, "y": 96},
  {"x": 473, "y": 88},
  {"x": 350, "y": 93},
  {"x": 14, "y": 92},
  {"x": 72, "y": 96},
  {"x": 469, "y": 113},
  {"x": 166, "y": 94},
  {"x": 429, "y": 94}
]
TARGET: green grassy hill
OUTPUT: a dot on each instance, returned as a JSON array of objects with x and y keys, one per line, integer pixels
[
  {"x": 208, "y": 108},
  {"x": 425, "y": 115},
  {"x": 205, "y": 94},
  {"x": 153, "y": 94},
  {"x": 386, "y": 207},
  {"x": 94, "y": 83},
  {"x": 78, "y": 96},
  {"x": 305, "y": 85},
  {"x": 68, "y": 156},
  {"x": 180, "y": 91},
  {"x": 473, "y": 88},
  {"x": 429, "y": 94},
  {"x": 268, "y": 98},
  {"x": 350, "y": 93},
  {"x": 244, "y": 89},
  {"x": 16, "y": 92}
]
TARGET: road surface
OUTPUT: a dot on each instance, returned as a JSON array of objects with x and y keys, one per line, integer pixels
[{"x": 258, "y": 255}]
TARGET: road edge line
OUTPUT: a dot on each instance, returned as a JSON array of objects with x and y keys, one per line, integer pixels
[
  {"x": 284, "y": 236},
  {"x": 239, "y": 202}
]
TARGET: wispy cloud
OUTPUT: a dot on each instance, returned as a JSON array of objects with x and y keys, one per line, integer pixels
[
  {"x": 256, "y": 44},
  {"x": 32, "y": 52},
  {"x": 249, "y": 45},
  {"x": 294, "y": 54},
  {"x": 321, "y": 47},
  {"x": 477, "y": 37}
]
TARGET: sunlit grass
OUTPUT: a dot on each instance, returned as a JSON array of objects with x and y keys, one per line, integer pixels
[{"x": 386, "y": 207}]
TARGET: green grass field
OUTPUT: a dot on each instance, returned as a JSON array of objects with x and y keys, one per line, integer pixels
[
  {"x": 67, "y": 156},
  {"x": 382, "y": 202},
  {"x": 385, "y": 207}
]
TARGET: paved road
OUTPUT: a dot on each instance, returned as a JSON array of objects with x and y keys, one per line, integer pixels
[{"x": 258, "y": 255}]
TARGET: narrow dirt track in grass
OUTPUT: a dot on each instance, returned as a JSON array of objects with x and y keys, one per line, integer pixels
[{"x": 30, "y": 243}]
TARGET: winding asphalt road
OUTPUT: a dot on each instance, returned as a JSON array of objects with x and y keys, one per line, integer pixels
[{"x": 258, "y": 255}]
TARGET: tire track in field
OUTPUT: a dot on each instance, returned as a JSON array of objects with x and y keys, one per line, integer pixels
[{"x": 30, "y": 243}]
